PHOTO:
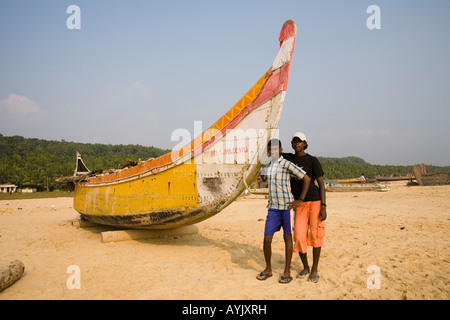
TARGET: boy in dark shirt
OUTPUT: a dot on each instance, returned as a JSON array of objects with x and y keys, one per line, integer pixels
[{"x": 310, "y": 215}]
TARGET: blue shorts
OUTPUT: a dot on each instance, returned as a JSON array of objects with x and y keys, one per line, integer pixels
[{"x": 276, "y": 219}]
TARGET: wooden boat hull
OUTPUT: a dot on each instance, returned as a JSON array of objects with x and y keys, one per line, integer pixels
[
  {"x": 407, "y": 178},
  {"x": 355, "y": 187},
  {"x": 430, "y": 179},
  {"x": 354, "y": 180},
  {"x": 435, "y": 179},
  {"x": 168, "y": 199},
  {"x": 197, "y": 181}
]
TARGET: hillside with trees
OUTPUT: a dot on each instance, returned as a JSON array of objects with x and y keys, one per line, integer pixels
[
  {"x": 37, "y": 163},
  {"x": 353, "y": 167}
]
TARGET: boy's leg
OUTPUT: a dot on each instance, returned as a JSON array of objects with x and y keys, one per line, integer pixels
[
  {"x": 300, "y": 235},
  {"x": 267, "y": 248},
  {"x": 289, "y": 245},
  {"x": 273, "y": 224},
  {"x": 316, "y": 238},
  {"x": 316, "y": 256},
  {"x": 304, "y": 259}
]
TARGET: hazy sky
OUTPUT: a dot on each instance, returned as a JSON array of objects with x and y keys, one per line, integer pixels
[{"x": 138, "y": 70}]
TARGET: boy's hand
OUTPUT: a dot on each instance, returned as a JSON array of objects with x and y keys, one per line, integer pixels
[
  {"x": 294, "y": 204},
  {"x": 323, "y": 213}
]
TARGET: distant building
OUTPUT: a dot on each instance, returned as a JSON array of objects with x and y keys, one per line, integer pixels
[{"x": 8, "y": 188}]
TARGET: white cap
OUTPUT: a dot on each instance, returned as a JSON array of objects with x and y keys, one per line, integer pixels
[{"x": 299, "y": 135}]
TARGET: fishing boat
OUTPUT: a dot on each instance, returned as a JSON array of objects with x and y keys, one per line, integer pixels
[
  {"x": 335, "y": 186},
  {"x": 430, "y": 179},
  {"x": 404, "y": 178},
  {"x": 352, "y": 180},
  {"x": 203, "y": 177}
]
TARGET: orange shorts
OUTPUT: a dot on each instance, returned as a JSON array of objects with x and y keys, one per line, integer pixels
[{"x": 308, "y": 229}]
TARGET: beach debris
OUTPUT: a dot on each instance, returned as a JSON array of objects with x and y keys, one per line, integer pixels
[
  {"x": 127, "y": 164},
  {"x": 10, "y": 273}
]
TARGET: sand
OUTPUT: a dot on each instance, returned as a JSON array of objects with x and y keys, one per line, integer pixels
[{"x": 403, "y": 234}]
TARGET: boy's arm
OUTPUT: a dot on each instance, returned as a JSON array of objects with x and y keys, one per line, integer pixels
[
  {"x": 323, "y": 206},
  {"x": 306, "y": 182}
]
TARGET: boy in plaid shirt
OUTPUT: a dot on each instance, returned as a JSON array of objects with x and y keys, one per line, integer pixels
[{"x": 279, "y": 173}]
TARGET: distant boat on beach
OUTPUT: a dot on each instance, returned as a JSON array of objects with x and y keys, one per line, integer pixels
[
  {"x": 334, "y": 186},
  {"x": 193, "y": 183},
  {"x": 430, "y": 179},
  {"x": 351, "y": 180},
  {"x": 405, "y": 178}
]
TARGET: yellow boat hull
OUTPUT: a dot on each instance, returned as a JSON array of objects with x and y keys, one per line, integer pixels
[{"x": 166, "y": 200}]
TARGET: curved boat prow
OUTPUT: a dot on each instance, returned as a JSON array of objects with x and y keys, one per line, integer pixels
[{"x": 197, "y": 181}]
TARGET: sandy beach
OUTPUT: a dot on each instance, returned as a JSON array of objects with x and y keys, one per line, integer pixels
[{"x": 402, "y": 233}]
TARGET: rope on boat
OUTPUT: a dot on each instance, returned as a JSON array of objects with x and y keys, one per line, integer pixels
[{"x": 248, "y": 188}]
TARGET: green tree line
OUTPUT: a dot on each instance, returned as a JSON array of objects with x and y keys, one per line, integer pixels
[
  {"x": 353, "y": 167},
  {"x": 37, "y": 163}
]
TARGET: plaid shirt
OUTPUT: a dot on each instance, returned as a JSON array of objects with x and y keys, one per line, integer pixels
[{"x": 278, "y": 175}]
